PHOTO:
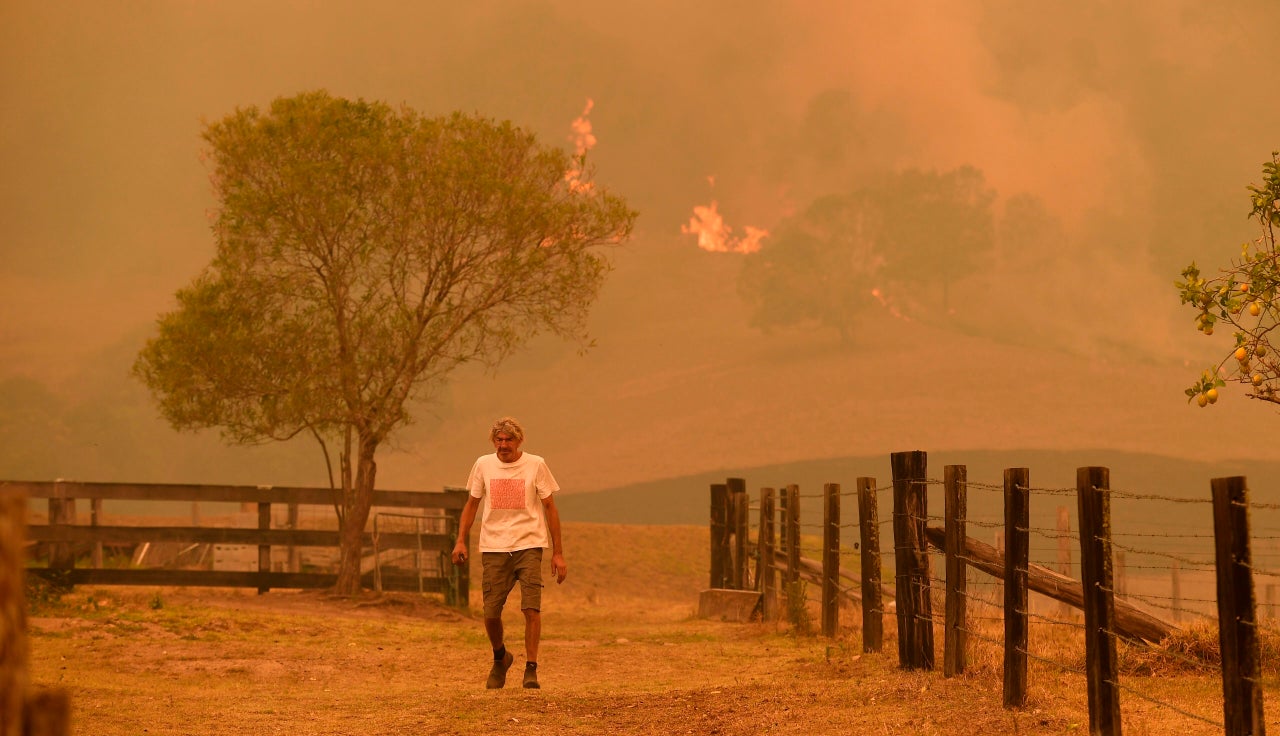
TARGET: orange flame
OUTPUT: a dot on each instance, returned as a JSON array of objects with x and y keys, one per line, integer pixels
[
  {"x": 583, "y": 140},
  {"x": 715, "y": 236},
  {"x": 884, "y": 302}
]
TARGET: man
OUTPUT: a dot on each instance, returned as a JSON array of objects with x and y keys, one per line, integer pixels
[{"x": 520, "y": 520}]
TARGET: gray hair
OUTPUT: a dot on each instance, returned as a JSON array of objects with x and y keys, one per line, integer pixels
[{"x": 508, "y": 425}]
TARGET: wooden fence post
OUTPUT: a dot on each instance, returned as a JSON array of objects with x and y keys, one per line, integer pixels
[
  {"x": 264, "y": 550},
  {"x": 291, "y": 522},
  {"x": 764, "y": 570},
  {"x": 1017, "y": 520},
  {"x": 830, "y": 559},
  {"x": 869, "y": 537},
  {"x": 911, "y": 560},
  {"x": 955, "y": 504},
  {"x": 62, "y": 511},
  {"x": 793, "y": 534},
  {"x": 1237, "y": 614},
  {"x": 14, "y": 677},
  {"x": 738, "y": 520},
  {"x": 95, "y": 519},
  {"x": 1093, "y": 487},
  {"x": 719, "y": 534},
  {"x": 1064, "y": 554}
]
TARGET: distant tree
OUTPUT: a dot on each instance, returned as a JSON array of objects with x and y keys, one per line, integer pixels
[
  {"x": 909, "y": 228},
  {"x": 1246, "y": 295},
  {"x": 819, "y": 267},
  {"x": 937, "y": 226},
  {"x": 363, "y": 253}
]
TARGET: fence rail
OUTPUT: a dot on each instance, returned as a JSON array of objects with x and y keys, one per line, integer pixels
[{"x": 64, "y": 537}]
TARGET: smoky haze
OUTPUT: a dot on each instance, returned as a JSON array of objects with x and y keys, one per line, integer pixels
[{"x": 1118, "y": 141}]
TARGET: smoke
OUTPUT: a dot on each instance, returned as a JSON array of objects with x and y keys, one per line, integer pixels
[{"x": 1123, "y": 133}]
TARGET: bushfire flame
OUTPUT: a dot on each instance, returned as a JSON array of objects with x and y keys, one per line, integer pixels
[
  {"x": 583, "y": 140},
  {"x": 716, "y": 237}
]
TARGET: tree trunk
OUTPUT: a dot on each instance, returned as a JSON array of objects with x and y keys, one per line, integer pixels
[{"x": 357, "y": 499}]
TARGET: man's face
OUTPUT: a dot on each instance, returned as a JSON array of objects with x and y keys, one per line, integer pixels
[{"x": 508, "y": 447}]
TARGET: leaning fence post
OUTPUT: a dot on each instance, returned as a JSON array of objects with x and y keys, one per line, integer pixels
[
  {"x": 1101, "y": 660},
  {"x": 955, "y": 485},
  {"x": 1017, "y": 520},
  {"x": 764, "y": 567},
  {"x": 830, "y": 559},
  {"x": 719, "y": 534},
  {"x": 869, "y": 536},
  {"x": 911, "y": 560},
  {"x": 1237, "y": 610}
]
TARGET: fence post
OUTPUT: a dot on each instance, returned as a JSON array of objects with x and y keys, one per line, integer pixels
[
  {"x": 264, "y": 550},
  {"x": 1237, "y": 614},
  {"x": 719, "y": 534},
  {"x": 1093, "y": 486},
  {"x": 1064, "y": 554},
  {"x": 869, "y": 537},
  {"x": 62, "y": 511},
  {"x": 292, "y": 524},
  {"x": 793, "y": 534},
  {"x": 764, "y": 568},
  {"x": 1017, "y": 520},
  {"x": 738, "y": 510},
  {"x": 954, "y": 638},
  {"x": 911, "y": 560},
  {"x": 830, "y": 559},
  {"x": 95, "y": 518}
]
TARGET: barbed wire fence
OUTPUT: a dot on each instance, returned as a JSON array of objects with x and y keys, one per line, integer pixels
[{"x": 1142, "y": 595}]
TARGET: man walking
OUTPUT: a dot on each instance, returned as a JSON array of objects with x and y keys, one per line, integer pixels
[{"x": 519, "y": 520}]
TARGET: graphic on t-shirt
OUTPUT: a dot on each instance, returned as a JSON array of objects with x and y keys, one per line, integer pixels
[{"x": 506, "y": 493}]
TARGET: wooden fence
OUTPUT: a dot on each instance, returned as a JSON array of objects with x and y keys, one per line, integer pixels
[
  {"x": 1108, "y": 617},
  {"x": 67, "y": 541}
]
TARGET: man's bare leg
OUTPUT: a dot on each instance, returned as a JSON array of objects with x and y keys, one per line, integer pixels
[{"x": 532, "y": 635}]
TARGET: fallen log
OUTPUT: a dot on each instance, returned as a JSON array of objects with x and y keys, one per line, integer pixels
[{"x": 1131, "y": 622}]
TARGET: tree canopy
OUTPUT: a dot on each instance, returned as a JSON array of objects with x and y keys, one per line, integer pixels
[
  {"x": 363, "y": 253},
  {"x": 907, "y": 229},
  {"x": 1246, "y": 296}
]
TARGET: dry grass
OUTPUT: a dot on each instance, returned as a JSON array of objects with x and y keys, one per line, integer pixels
[{"x": 622, "y": 653}]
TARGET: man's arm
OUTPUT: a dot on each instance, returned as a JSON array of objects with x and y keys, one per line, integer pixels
[
  {"x": 464, "y": 529},
  {"x": 558, "y": 566}
]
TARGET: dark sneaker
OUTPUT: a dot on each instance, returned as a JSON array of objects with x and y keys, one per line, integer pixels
[
  {"x": 498, "y": 675},
  {"x": 531, "y": 677}
]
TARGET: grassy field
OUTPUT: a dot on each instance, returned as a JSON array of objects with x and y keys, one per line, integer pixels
[{"x": 623, "y": 653}]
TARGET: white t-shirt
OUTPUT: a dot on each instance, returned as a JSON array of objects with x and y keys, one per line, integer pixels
[{"x": 513, "y": 517}]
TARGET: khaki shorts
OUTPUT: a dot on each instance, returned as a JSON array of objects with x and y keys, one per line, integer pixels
[{"x": 501, "y": 571}]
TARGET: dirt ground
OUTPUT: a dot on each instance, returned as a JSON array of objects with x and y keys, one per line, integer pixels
[{"x": 622, "y": 653}]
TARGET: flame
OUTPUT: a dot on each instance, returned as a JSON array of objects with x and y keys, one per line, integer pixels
[
  {"x": 715, "y": 236},
  {"x": 884, "y": 302},
  {"x": 583, "y": 140}
]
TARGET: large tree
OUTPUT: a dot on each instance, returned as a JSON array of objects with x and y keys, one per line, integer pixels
[
  {"x": 363, "y": 253},
  {"x": 1246, "y": 296},
  {"x": 845, "y": 252}
]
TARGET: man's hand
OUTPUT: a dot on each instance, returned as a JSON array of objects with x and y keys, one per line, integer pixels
[
  {"x": 459, "y": 552},
  {"x": 558, "y": 567}
]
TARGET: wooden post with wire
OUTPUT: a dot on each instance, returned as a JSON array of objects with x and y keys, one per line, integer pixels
[
  {"x": 767, "y": 581},
  {"x": 954, "y": 638},
  {"x": 911, "y": 560},
  {"x": 1064, "y": 554},
  {"x": 793, "y": 535},
  {"x": 738, "y": 521},
  {"x": 830, "y": 559},
  {"x": 719, "y": 535},
  {"x": 1017, "y": 520},
  {"x": 1237, "y": 609},
  {"x": 1093, "y": 487},
  {"x": 869, "y": 538}
]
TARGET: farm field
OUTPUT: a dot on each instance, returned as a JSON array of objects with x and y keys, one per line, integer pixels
[{"x": 622, "y": 653}]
